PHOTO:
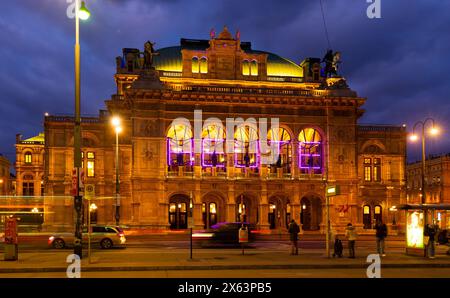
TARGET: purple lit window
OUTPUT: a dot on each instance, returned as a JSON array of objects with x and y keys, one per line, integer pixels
[
  {"x": 179, "y": 153},
  {"x": 212, "y": 153},
  {"x": 246, "y": 154},
  {"x": 310, "y": 151}
]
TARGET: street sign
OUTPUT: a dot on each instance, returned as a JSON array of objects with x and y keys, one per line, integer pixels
[
  {"x": 89, "y": 191},
  {"x": 74, "y": 189},
  {"x": 81, "y": 181},
  {"x": 333, "y": 190}
]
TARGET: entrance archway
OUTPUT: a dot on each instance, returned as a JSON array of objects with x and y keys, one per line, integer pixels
[
  {"x": 178, "y": 212},
  {"x": 246, "y": 209},
  {"x": 311, "y": 213},
  {"x": 212, "y": 210}
]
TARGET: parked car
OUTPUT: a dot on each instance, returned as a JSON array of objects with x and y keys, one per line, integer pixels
[
  {"x": 224, "y": 234},
  {"x": 105, "y": 236}
]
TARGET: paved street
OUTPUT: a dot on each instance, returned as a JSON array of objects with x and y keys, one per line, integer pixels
[{"x": 262, "y": 273}]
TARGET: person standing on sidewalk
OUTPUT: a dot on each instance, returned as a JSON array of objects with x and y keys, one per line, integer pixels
[
  {"x": 430, "y": 231},
  {"x": 293, "y": 230},
  {"x": 351, "y": 236},
  {"x": 381, "y": 234}
]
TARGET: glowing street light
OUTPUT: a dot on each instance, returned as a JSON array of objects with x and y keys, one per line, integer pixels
[
  {"x": 116, "y": 122},
  {"x": 83, "y": 14},
  {"x": 414, "y": 137}
]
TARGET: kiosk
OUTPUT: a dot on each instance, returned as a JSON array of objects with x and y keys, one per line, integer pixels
[{"x": 417, "y": 217}]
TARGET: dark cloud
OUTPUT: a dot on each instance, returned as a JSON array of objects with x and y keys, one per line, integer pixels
[{"x": 398, "y": 62}]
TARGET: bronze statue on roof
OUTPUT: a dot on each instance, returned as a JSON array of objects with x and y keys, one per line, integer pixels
[{"x": 149, "y": 52}]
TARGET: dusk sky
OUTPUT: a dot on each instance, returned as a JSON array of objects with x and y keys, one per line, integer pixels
[{"x": 399, "y": 62}]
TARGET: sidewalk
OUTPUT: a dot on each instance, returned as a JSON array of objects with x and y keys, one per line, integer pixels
[{"x": 225, "y": 259}]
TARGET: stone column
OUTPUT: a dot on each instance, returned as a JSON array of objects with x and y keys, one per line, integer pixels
[
  {"x": 263, "y": 206},
  {"x": 294, "y": 163}
]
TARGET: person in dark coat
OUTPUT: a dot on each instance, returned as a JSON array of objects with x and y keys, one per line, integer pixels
[
  {"x": 338, "y": 247},
  {"x": 430, "y": 231},
  {"x": 381, "y": 234},
  {"x": 293, "y": 230}
]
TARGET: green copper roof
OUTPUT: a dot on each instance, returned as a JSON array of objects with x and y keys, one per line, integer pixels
[{"x": 169, "y": 59}]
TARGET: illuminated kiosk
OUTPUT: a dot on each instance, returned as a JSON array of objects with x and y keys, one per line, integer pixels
[{"x": 415, "y": 225}]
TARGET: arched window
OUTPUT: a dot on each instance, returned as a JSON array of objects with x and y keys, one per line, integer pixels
[
  {"x": 246, "y": 147},
  {"x": 245, "y": 68},
  {"x": 282, "y": 139},
  {"x": 254, "y": 68},
  {"x": 28, "y": 158},
  {"x": 203, "y": 65},
  {"x": 310, "y": 151},
  {"x": 213, "y": 139},
  {"x": 195, "y": 65},
  {"x": 179, "y": 145}
]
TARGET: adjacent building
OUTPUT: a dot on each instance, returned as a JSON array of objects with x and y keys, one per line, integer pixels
[
  {"x": 167, "y": 167},
  {"x": 437, "y": 184}
]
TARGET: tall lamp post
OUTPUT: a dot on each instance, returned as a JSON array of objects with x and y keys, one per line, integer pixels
[
  {"x": 83, "y": 14},
  {"x": 116, "y": 122},
  {"x": 414, "y": 137}
]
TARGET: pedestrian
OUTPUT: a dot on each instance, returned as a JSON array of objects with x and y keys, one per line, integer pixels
[
  {"x": 293, "y": 230},
  {"x": 338, "y": 247},
  {"x": 430, "y": 232},
  {"x": 351, "y": 236},
  {"x": 381, "y": 234}
]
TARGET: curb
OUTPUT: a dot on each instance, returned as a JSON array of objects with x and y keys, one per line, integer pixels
[{"x": 221, "y": 267}]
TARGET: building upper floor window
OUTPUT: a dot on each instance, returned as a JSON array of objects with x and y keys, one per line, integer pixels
[
  {"x": 372, "y": 169},
  {"x": 28, "y": 157},
  {"x": 199, "y": 65},
  {"x": 90, "y": 161},
  {"x": 179, "y": 145},
  {"x": 250, "y": 68},
  {"x": 310, "y": 151}
]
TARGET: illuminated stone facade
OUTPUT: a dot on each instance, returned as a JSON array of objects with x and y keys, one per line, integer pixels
[
  {"x": 30, "y": 166},
  {"x": 319, "y": 138}
]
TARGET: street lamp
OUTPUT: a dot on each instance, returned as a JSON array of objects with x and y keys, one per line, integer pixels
[
  {"x": 116, "y": 122},
  {"x": 414, "y": 137},
  {"x": 80, "y": 13}
]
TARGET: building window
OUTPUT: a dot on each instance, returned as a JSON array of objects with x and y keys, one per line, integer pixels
[
  {"x": 246, "y": 147},
  {"x": 203, "y": 65},
  {"x": 254, "y": 68},
  {"x": 90, "y": 164},
  {"x": 28, "y": 188},
  {"x": 28, "y": 157},
  {"x": 367, "y": 169},
  {"x": 282, "y": 140},
  {"x": 213, "y": 140},
  {"x": 195, "y": 65},
  {"x": 245, "y": 68},
  {"x": 310, "y": 151},
  {"x": 377, "y": 169},
  {"x": 179, "y": 146}
]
